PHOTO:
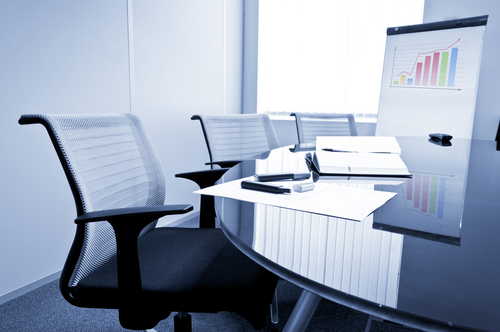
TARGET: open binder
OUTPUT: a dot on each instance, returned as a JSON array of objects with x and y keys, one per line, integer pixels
[{"x": 348, "y": 162}]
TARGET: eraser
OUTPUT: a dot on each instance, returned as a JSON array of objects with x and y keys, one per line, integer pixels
[{"x": 301, "y": 187}]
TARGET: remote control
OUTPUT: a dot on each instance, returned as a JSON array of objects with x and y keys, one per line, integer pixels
[{"x": 441, "y": 137}]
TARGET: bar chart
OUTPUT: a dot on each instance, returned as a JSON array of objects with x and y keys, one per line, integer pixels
[
  {"x": 433, "y": 65},
  {"x": 426, "y": 194},
  {"x": 427, "y": 204}
]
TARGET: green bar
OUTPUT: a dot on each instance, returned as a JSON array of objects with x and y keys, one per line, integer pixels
[
  {"x": 434, "y": 189},
  {"x": 444, "y": 65},
  {"x": 395, "y": 82}
]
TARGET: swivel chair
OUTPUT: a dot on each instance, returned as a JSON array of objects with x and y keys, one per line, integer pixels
[
  {"x": 311, "y": 125},
  {"x": 119, "y": 258},
  {"x": 230, "y": 139}
]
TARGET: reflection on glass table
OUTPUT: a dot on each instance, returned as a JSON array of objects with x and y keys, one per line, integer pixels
[{"x": 425, "y": 259}]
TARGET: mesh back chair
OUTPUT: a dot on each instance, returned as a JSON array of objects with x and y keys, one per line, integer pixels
[
  {"x": 311, "y": 125},
  {"x": 230, "y": 139},
  {"x": 119, "y": 259}
]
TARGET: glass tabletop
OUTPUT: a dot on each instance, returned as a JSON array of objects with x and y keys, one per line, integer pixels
[{"x": 428, "y": 256}]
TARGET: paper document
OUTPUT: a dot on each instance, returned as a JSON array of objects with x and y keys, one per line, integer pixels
[
  {"x": 378, "y": 144},
  {"x": 326, "y": 199},
  {"x": 346, "y": 163}
]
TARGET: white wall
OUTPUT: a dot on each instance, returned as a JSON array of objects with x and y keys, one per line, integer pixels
[
  {"x": 59, "y": 56},
  {"x": 487, "y": 110},
  {"x": 56, "y": 56},
  {"x": 180, "y": 48}
]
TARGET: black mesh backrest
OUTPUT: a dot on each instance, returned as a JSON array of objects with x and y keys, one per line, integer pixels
[
  {"x": 109, "y": 163},
  {"x": 312, "y": 125}
]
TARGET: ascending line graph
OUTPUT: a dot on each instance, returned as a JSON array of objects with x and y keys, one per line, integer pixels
[{"x": 433, "y": 65}]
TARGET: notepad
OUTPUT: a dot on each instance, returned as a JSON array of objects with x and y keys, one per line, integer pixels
[{"x": 366, "y": 164}]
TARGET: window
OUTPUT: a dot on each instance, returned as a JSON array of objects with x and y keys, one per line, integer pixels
[{"x": 326, "y": 55}]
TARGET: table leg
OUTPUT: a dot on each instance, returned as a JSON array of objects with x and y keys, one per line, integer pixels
[{"x": 302, "y": 312}]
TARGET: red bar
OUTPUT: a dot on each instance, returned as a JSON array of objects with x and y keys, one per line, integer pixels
[
  {"x": 418, "y": 74},
  {"x": 416, "y": 202},
  {"x": 409, "y": 189},
  {"x": 435, "y": 65},
  {"x": 425, "y": 194},
  {"x": 426, "y": 70}
]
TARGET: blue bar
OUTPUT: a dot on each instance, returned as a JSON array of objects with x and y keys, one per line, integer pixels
[
  {"x": 410, "y": 81},
  {"x": 442, "y": 190},
  {"x": 453, "y": 66}
]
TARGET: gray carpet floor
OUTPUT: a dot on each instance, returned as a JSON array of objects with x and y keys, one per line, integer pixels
[{"x": 44, "y": 309}]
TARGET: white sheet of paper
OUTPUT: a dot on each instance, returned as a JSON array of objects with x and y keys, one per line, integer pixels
[
  {"x": 326, "y": 199},
  {"x": 387, "y": 144}
]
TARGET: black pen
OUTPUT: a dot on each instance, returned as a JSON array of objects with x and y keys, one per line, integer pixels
[
  {"x": 281, "y": 176},
  {"x": 332, "y": 150}
]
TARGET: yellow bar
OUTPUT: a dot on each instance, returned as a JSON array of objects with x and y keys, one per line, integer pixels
[{"x": 403, "y": 79}]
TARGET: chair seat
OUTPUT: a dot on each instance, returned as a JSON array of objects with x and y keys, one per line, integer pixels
[{"x": 196, "y": 270}]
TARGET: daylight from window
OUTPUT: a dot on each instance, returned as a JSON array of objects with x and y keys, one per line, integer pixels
[{"x": 326, "y": 55}]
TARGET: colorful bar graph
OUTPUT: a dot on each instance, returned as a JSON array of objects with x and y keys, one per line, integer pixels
[
  {"x": 427, "y": 194},
  {"x": 436, "y": 68}
]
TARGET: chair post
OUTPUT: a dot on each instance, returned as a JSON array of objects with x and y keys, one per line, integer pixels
[
  {"x": 207, "y": 212},
  {"x": 182, "y": 322}
]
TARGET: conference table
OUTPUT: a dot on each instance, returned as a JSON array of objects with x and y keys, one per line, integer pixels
[{"x": 429, "y": 258}]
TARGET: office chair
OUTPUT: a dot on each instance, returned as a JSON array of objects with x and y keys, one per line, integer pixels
[
  {"x": 233, "y": 138},
  {"x": 119, "y": 259},
  {"x": 311, "y": 125},
  {"x": 230, "y": 139}
]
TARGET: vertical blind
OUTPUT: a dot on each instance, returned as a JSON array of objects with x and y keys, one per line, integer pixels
[{"x": 326, "y": 55}]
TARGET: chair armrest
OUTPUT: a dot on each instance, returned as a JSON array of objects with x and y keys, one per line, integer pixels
[
  {"x": 144, "y": 212},
  {"x": 225, "y": 164},
  {"x": 127, "y": 224},
  {"x": 204, "y": 178}
]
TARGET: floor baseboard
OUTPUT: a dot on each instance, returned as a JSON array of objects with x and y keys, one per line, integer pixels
[{"x": 29, "y": 287}]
